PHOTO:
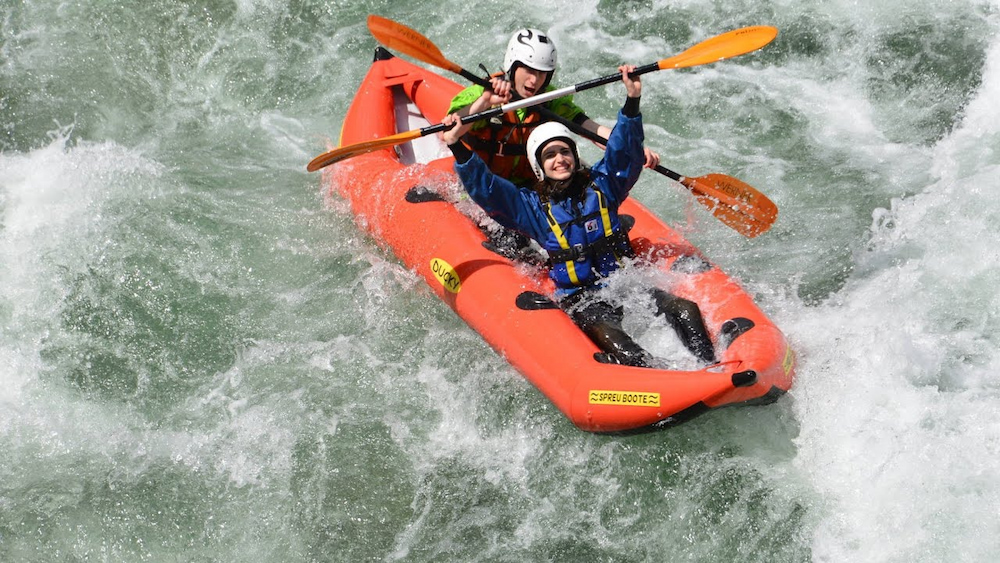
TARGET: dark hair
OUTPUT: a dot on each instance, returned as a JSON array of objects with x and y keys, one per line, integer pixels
[{"x": 547, "y": 190}]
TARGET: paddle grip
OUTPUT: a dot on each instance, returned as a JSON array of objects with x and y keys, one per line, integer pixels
[
  {"x": 669, "y": 173},
  {"x": 486, "y": 114},
  {"x": 639, "y": 70}
]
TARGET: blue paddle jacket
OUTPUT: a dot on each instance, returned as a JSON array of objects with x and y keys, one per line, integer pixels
[{"x": 582, "y": 234}]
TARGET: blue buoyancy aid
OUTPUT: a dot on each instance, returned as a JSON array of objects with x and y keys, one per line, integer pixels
[
  {"x": 592, "y": 237},
  {"x": 586, "y": 242}
]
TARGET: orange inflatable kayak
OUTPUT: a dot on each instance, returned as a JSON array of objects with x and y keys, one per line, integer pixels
[{"x": 395, "y": 195}]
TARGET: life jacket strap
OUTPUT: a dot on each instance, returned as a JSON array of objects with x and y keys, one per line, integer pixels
[{"x": 617, "y": 244}]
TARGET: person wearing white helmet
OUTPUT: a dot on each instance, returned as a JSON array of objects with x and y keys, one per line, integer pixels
[
  {"x": 572, "y": 212},
  {"x": 528, "y": 66},
  {"x": 533, "y": 50}
]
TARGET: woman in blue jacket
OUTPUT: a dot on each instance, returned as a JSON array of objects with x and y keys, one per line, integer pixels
[{"x": 573, "y": 214}]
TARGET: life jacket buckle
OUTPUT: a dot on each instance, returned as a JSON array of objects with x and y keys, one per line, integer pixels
[
  {"x": 580, "y": 255},
  {"x": 500, "y": 148}
]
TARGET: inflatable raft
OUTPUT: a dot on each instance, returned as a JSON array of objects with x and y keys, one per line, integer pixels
[{"x": 394, "y": 194}]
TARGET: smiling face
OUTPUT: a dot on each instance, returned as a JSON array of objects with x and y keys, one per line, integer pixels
[
  {"x": 528, "y": 82},
  {"x": 558, "y": 161}
]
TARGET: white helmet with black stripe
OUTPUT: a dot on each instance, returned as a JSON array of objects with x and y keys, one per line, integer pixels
[{"x": 532, "y": 48}]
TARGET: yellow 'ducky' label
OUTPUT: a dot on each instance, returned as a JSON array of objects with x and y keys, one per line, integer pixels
[
  {"x": 624, "y": 398},
  {"x": 446, "y": 275}
]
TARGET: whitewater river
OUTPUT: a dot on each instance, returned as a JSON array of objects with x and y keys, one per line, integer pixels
[{"x": 203, "y": 358}]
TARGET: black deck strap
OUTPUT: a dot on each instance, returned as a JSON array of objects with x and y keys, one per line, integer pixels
[
  {"x": 690, "y": 264},
  {"x": 422, "y": 194},
  {"x": 534, "y": 301},
  {"x": 607, "y": 358},
  {"x": 732, "y": 329},
  {"x": 505, "y": 251}
]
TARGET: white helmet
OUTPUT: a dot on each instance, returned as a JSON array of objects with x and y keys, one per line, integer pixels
[
  {"x": 541, "y": 136},
  {"x": 531, "y": 48}
]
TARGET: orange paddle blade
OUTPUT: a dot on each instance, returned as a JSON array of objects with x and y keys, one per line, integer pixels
[
  {"x": 407, "y": 40},
  {"x": 734, "y": 202},
  {"x": 724, "y": 46},
  {"x": 341, "y": 153}
]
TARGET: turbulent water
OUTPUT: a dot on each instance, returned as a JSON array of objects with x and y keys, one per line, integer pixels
[{"x": 204, "y": 359}]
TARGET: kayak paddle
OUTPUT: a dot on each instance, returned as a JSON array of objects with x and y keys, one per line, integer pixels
[
  {"x": 734, "y": 202},
  {"x": 723, "y": 46}
]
